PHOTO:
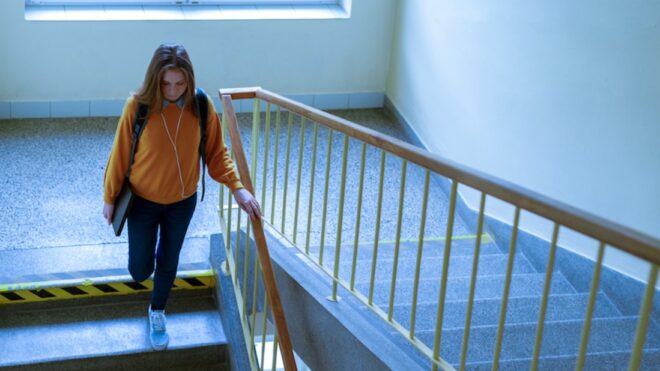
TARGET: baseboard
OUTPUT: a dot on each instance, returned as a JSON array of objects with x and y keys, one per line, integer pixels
[{"x": 113, "y": 107}]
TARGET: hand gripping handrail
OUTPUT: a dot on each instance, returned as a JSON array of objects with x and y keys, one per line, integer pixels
[{"x": 260, "y": 240}]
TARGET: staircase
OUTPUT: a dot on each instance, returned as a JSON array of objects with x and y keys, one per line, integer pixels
[
  {"x": 102, "y": 334},
  {"x": 99, "y": 328},
  {"x": 612, "y": 329},
  {"x": 111, "y": 333},
  {"x": 611, "y": 336}
]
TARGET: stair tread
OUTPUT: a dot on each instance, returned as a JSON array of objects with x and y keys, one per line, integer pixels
[
  {"x": 99, "y": 260},
  {"x": 462, "y": 247},
  {"x": 594, "y": 361},
  {"x": 490, "y": 286},
  {"x": 519, "y": 310},
  {"x": 88, "y": 331},
  {"x": 431, "y": 267},
  {"x": 560, "y": 338}
]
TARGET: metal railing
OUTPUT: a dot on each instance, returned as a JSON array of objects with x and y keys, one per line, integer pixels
[{"x": 291, "y": 117}]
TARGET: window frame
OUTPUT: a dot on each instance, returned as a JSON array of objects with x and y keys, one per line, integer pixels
[
  {"x": 175, "y": 2},
  {"x": 185, "y": 10}
]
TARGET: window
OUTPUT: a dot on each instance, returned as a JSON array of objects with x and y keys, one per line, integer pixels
[
  {"x": 111, "y": 10},
  {"x": 179, "y": 2}
]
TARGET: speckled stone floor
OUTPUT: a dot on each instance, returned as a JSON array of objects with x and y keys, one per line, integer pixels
[{"x": 51, "y": 174}]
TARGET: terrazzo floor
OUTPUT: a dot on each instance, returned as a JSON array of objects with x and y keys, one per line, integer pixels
[{"x": 51, "y": 174}]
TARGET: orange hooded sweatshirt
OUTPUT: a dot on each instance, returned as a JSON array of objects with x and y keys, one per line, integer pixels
[{"x": 161, "y": 173}]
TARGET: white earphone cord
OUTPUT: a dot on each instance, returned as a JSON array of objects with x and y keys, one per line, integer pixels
[{"x": 176, "y": 153}]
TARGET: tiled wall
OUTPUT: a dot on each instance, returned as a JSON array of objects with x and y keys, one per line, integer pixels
[{"x": 101, "y": 108}]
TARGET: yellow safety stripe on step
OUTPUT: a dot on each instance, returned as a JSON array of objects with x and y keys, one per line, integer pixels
[{"x": 59, "y": 289}]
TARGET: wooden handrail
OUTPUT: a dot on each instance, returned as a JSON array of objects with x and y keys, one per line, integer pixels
[
  {"x": 264, "y": 258},
  {"x": 614, "y": 234},
  {"x": 240, "y": 93}
]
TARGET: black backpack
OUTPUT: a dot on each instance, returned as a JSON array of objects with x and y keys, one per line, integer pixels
[{"x": 141, "y": 121}]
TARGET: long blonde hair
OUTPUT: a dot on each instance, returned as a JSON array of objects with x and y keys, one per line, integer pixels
[{"x": 166, "y": 57}]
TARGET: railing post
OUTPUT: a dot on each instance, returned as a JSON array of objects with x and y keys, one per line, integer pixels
[
  {"x": 379, "y": 207},
  {"x": 590, "y": 308},
  {"x": 643, "y": 323},
  {"x": 311, "y": 188},
  {"x": 301, "y": 148},
  {"x": 275, "y": 157},
  {"x": 544, "y": 300},
  {"x": 358, "y": 216},
  {"x": 507, "y": 287},
  {"x": 397, "y": 241},
  {"x": 420, "y": 246},
  {"x": 473, "y": 282},
  {"x": 445, "y": 271},
  {"x": 340, "y": 218}
]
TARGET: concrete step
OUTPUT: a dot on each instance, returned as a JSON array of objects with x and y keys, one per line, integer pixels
[
  {"x": 519, "y": 310},
  {"x": 487, "y": 287},
  {"x": 431, "y": 267},
  {"x": 407, "y": 249},
  {"x": 610, "y": 361},
  {"x": 560, "y": 339},
  {"x": 85, "y": 258},
  {"x": 111, "y": 333}
]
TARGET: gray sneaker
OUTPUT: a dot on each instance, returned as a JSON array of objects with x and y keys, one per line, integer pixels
[{"x": 158, "y": 329}]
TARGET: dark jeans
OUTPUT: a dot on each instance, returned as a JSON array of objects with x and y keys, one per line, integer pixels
[{"x": 144, "y": 221}]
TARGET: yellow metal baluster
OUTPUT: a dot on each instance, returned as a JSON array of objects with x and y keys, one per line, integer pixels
[
  {"x": 312, "y": 173},
  {"x": 239, "y": 213},
  {"x": 256, "y": 123},
  {"x": 325, "y": 195},
  {"x": 544, "y": 302},
  {"x": 275, "y": 156},
  {"x": 643, "y": 323},
  {"x": 221, "y": 198},
  {"x": 397, "y": 243},
  {"x": 255, "y": 287},
  {"x": 245, "y": 263},
  {"x": 505, "y": 296},
  {"x": 340, "y": 217},
  {"x": 445, "y": 272},
  {"x": 274, "y": 365},
  {"x": 358, "y": 216},
  {"x": 473, "y": 282},
  {"x": 286, "y": 169},
  {"x": 420, "y": 246},
  {"x": 266, "y": 148},
  {"x": 586, "y": 330},
  {"x": 264, "y": 326},
  {"x": 228, "y": 231},
  {"x": 377, "y": 231},
  {"x": 300, "y": 161}
]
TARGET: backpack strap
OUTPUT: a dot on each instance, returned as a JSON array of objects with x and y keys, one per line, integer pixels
[
  {"x": 202, "y": 110},
  {"x": 138, "y": 126}
]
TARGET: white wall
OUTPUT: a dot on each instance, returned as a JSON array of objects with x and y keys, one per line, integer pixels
[
  {"x": 561, "y": 97},
  {"x": 105, "y": 60}
]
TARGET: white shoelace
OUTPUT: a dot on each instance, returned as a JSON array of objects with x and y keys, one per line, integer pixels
[
  {"x": 158, "y": 321},
  {"x": 173, "y": 141}
]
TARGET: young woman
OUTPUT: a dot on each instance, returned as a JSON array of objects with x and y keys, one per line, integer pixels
[{"x": 165, "y": 174}]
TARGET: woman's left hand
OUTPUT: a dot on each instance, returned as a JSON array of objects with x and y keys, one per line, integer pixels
[{"x": 248, "y": 203}]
